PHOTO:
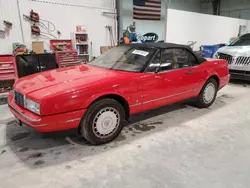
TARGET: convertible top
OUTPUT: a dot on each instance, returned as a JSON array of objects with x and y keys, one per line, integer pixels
[
  {"x": 166, "y": 46},
  {"x": 162, "y": 45}
]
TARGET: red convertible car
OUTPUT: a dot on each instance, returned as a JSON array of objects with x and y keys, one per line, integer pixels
[{"x": 98, "y": 98}]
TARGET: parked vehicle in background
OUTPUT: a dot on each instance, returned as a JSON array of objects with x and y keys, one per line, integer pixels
[
  {"x": 237, "y": 55},
  {"x": 99, "y": 97}
]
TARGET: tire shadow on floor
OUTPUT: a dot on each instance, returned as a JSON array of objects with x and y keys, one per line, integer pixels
[{"x": 38, "y": 150}]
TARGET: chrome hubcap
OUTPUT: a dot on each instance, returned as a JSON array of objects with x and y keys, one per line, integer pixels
[
  {"x": 106, "y": 122},
  {"x": 209, "y": 93}
]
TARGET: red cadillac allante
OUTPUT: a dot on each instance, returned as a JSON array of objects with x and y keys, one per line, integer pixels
[{"x": 99, "y": 97}]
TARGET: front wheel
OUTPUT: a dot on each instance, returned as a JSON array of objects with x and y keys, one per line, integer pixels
[
  {"x": 208, "y": 94},
  {"x": 103, "y": 121}
]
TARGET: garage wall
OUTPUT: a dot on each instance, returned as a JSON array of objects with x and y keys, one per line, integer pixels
[
  {"x": 183, "y": 26},
  {"x": 142, "y": 26},
  {"x": 236, "y": 9},
  {"x": 229, "y": 8},
  {"x": 9, "y": 12},
  {"x": 186, "y": 5},
  {"x": 65, "y": 16},
  {"x": 96, "y": 3}
]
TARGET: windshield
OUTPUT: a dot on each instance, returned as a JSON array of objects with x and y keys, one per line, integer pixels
[
  {"x": 125, "y": 58},
  {"x": 241, "y": 41}
]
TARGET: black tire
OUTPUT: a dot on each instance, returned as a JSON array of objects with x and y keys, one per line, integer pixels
[
  {"x": 201, "y": 102},
  {"x": 87, "y": 126}
]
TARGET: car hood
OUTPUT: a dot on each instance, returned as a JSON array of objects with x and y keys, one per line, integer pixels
[
  {"x": 236, "y": 50},
  {"x": 62, "y": 79}
]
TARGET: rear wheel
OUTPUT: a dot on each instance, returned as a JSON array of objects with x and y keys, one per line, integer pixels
[
  {"x": 103, "y": 121},
  {"x": 208, "y": 94}
]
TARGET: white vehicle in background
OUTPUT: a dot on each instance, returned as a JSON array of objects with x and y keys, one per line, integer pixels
[{"x": 238, "y": 56}]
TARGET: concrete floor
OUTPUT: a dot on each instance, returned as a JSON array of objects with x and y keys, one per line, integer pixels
[{"x": 178, "y": 146}]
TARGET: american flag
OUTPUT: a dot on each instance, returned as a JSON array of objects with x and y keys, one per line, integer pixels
[{"x": 147, "y": 9}]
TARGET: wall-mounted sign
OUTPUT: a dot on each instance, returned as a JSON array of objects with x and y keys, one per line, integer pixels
[
  {"x": 134, "y": 37},
  {"x": 148, "y": 37}
]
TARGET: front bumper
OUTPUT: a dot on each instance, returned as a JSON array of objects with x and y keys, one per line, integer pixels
[
  {"x": 240, "y": 75},
  {"x": 56, "y": 122}
]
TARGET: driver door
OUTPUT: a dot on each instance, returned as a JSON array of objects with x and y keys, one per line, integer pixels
[
  {"x": 166, "y": 79},
  {"x": 176, "y": 76},
  {"x": 151, "y": 84}
]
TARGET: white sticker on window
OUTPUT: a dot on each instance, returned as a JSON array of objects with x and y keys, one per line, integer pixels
[{"x": 140, "y": 52}]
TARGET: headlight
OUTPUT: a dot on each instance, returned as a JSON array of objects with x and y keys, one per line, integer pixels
[{"x": 32, "y": 106}]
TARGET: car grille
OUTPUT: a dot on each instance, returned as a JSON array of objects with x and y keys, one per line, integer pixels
[
  {"x": 19, "y": 98},
  {"x": 226, "y": 57},
  {"x": 236, "y": 61},
  {"x": 242, "y": 61}
]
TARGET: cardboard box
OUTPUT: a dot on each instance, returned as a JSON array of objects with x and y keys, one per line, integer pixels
[{"x": 38, "y": 47}]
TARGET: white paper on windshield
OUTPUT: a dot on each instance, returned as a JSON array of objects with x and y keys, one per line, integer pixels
[{"x": 140, "y": 52}]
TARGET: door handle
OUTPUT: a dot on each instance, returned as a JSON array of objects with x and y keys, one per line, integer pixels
[
  {"x": 189, "y": 72},
  {"x": 157, "y": 77}
]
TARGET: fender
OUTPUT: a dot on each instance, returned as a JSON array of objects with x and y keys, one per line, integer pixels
[
  {"x": 98, "y": 95},
  {"x": 213, "y": 72},
  {"x": 210, "y": 74}
]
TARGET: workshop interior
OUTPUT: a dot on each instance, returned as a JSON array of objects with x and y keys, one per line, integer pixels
[{"x": 155, "y": 91}]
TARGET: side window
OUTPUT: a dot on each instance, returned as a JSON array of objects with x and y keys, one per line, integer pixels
[
  {"x": 174, "y": 59},
  {"x": 192, "y": 58},
  {"x": 182, "y": 58},
  {"x": 167, "y": 60},
  {"x": 155, "y": 63}
]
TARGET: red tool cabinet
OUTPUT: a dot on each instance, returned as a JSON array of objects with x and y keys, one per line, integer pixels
[
  {"x": 67, "y": 58},
  {"x": 8, "y": 72},
  {"x": 7, "y": 67}
]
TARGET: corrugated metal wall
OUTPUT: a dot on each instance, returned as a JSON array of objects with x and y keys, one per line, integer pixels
[
  {"x": 64, "y": 14},
  {"x": 229, "y": 8},
  {"x": 97, "y": 3},
  {"x": 236, "y": 9},
  {"x": 186, "y": 5},
  {"x": 9, "y": 12}
]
